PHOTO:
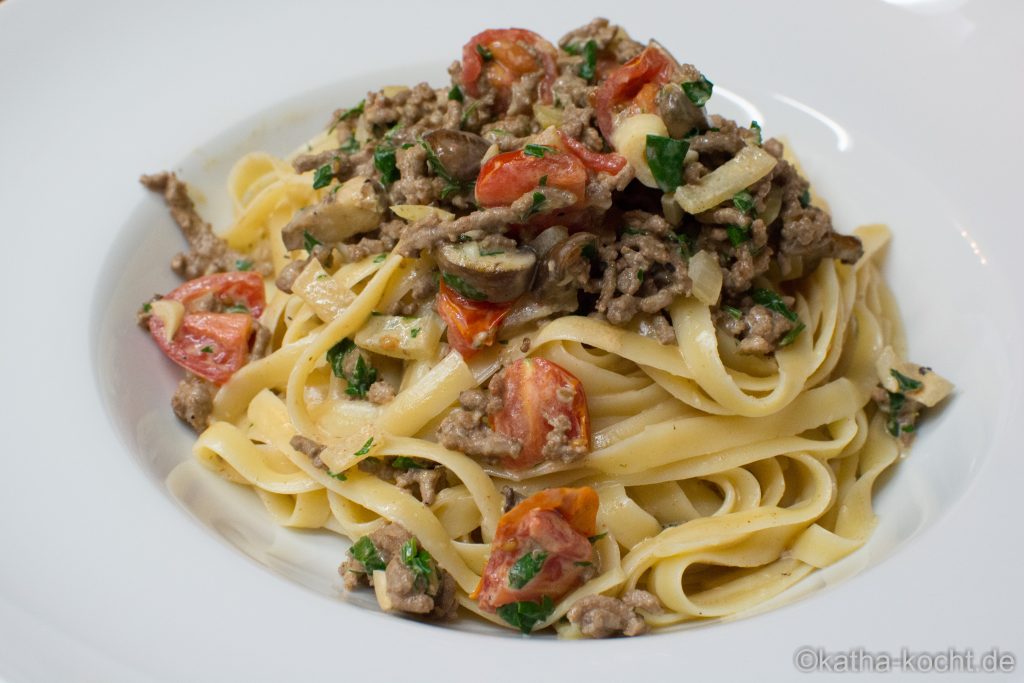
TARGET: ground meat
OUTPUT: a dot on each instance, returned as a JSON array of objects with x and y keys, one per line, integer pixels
[
  {"x": 423, "y": 481},
  {"x": 608, "y": 37},
  {"x": 557, "y": 445},
  {"x": 465, "y": 429},
  {"x": 759, "y": 329},
  {"x": 658, "y": 327},
  {"x": 193, "y": 402},
  {"x": 902, "y": 412},
  {"x": 599, "y": 616},
  {"x": 510, "y": 498},
  {"x": 433, "y": 596},
  {"x": 380, "y": 392},
  {"x": 207, "y": 253}
]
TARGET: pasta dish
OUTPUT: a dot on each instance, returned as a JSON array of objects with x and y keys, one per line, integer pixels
[{"x": 550, "y": 344}]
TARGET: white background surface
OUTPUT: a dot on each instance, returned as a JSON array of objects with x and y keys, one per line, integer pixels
[{"x": 104, "y": 579}]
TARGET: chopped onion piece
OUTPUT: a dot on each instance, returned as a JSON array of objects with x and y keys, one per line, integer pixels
[
  {"x": 706, "y": 276},
  {"x": 380, "y": 589},
  {"x": 171, "y": 312},
  {"x": 933, "y": 386},
  {"x": 746, "y": 168},
  {"x": 415, "y": 212}
]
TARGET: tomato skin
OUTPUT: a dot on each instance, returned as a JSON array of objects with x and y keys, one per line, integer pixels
[
  {"x": 599, "y": 162},
  {"x": 623, "y": 85},
  {"x": 556, "y": 521},
  {"x": 225, "y": 334},
  {"x": 236, "y": 287},
  {"x": 466, "y": 319},
  {"x": 507, "y": 177},
  {"x": 510, "y": 62},
  {"x": 530, "y": 396}
]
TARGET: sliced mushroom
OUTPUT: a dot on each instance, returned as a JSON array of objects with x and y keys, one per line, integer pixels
[
  {"x": 566, "y": 265},
  {"x": 458, "y": 151},
  {"x": 677, "y": 111},
  {"x": 498, "y": 274},
  {"x": 355, "y": 207}
]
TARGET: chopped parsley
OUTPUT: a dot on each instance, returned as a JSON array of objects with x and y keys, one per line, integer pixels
[
  {"x": 417, "y": 559},
  {"x": 598, "y": 537},
  {"x": 737, "y": 234},
  {"x": 791, "y": 336},
  {"x": 237, "y": 308},
  {"x": 893, "y": 425},
  {"x": 462, "y": 287},
  {"x": 906, "y": 383},
  {"x": 340, "y": 476},
  {"x": 632, "y": 231},
  {"x": 384, "y": 162},
  {"x": 756, "y": 127},
  {"x": 543, "y": 182},
  {"x": 495, "y": 252},
  {"x": 207, "y": 349},
  {"x": 348, "y": 114},
  {"x": 743, "y": 201},
  {"x": 414, "y": 332},
  {"x": 805, "y": 198},
  {"x": 685, "y": 243},
  {"x": 538, "y": 150},
  {"x": 573, "y": 49},
  {"x": 403, "y": 463},
  {"x": 699, "y": 92},
  {"x": 243, "y": 264},
  {"x": 589, "y": 251},
  {"x": 363, "y": 374},
  {"x": 452, "y": 184},
  {"x": 456, "y": 94},
  {"x": 527, "y": 614},
  {"x": 583, "y": 564},
  {"x": 350, "y": 146},
  {"x": 640, "y": 275},
  {"x": 665, "y": 158},
  {"x": 147, "y": 307},
  {"x": 308, "y": 241},
  {"x": 365, "y": 448},
  {"x": 588, "y": 69},
  {"x": 538, "y": 202},
  {"x": 733, "y": 311},
  {"x": 526, "y": 567},
  {"x": 379, "y": 258},
  {"x": 774, "y": 302},
  {"x": 366, "y": 552},
  {"x": 484, "y": 53},
  {"x": 467, "y": 112},
  {"x": 323, "y": 176}
]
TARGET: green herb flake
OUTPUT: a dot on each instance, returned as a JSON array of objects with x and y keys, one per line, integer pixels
[
  {"x": 363, "y": 376},
  {"x": 538, "y": 151},
  {"x": 414, "y": 332},
  {"x": 526, "y": 614},
  {"x": 147, "y": 307},
  {"x": 699, "y": 92},
  {"x": 308, "y": 241},
  {"x": 685, "y": 243},
  {"x": 589, "y": 251},
  {"x": 417, "y": 559},
  {"x": 403, "y": 463},
  {"x": 366, "y": 552},
  {"x": 456, "y": 94},
  {"x": 384, "y": 162},
  {"x": 237, "y": 308},
  {"x": 774, "y": 302},
  {"x": 805, "y": 198},
  {"x": 484, "y": 53},
  {"x": 733, "y": 311},
  {"x": 379, "y": 258},
  {"x": 538, "y": 202},
  {"x": 462, "y": 287},
  {"x": 340, "y": 476},
  {"x": 737, "y": 234},
  {"x": 348, "y": 114},
  {"x": 543, "y": 182},
  {"x": 336, "y": 356},
  {"x": 207, "y": 349},
  {"x": 756, "y": 127},
  {"x": 323, "y": 176},
  {"x": 598, "y": 537},
  {"x": 791, "y": 336},
  {"x": 452, "y": 184},
  {"x": 350, "y": 146},
  {"x": 525, "y": 568},
  {"x": 573, "y": 49},
  {"x": 744, "y": 201},
  {"x": 583, "y": 564},
  {"x": 243, "y": 264},
  {"x": 640, "y": 275},
  {"x": 467, "y": 112},
  {"x": 365, "y": 448},
  {"x": 896, "y": 402},
  {"x": 905, "y": 383},
  {"x": 665, "y": 159},
  {"x": 632, "y": 231},
  {"x": 588, "y": 69}
]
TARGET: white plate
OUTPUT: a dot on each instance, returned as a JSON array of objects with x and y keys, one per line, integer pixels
[{"x": 906, "y": 113}]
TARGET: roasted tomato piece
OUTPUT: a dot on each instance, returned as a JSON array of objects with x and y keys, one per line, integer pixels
[
  {"x": 599, "y": 162},
  {"x": 507, "y": 177},
  {"x": 541, "y": 548},
  {"x": 539, "y": 396},
  {"x": 211, "y": 345},
  {"x": 472, "y": 325},
  {"x": 230, "y": 289},
  {"x": 503, "y": 56},
  {"x": 635, "y": 82}
]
